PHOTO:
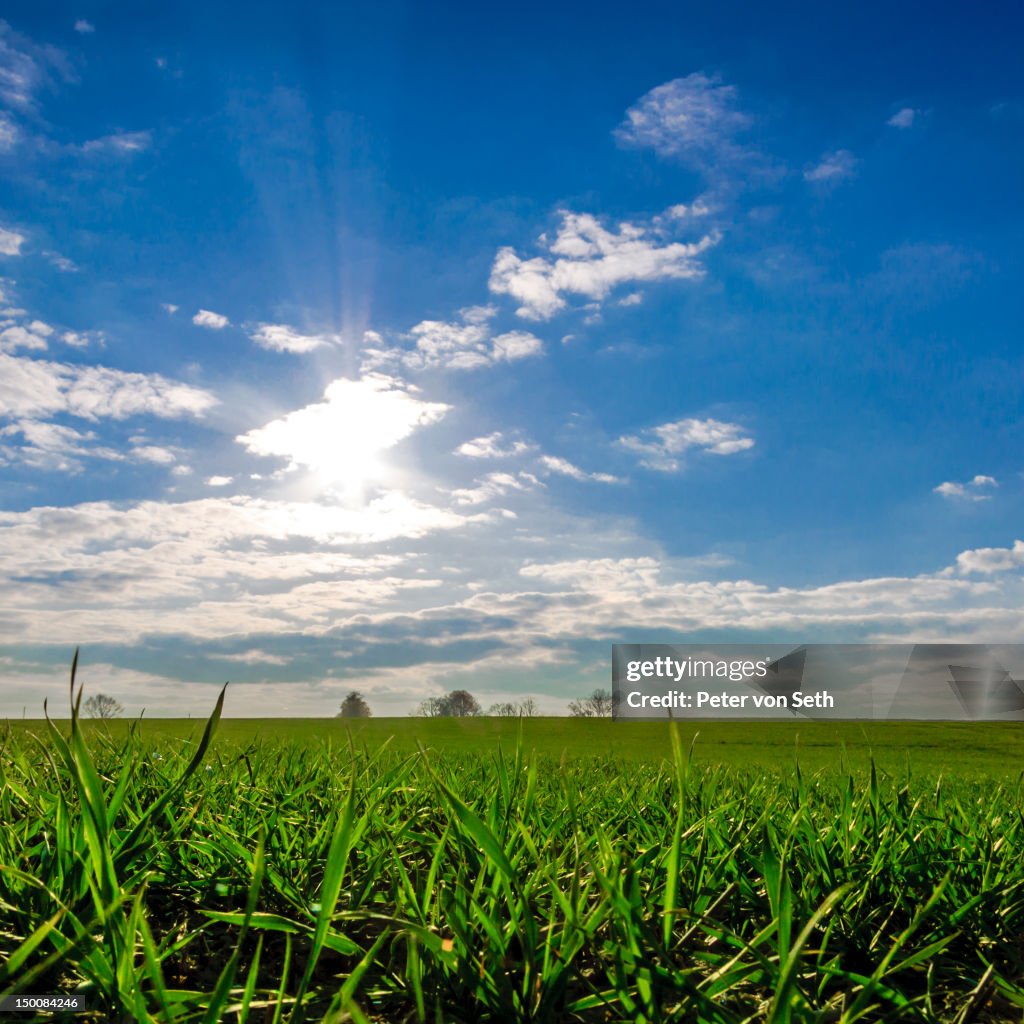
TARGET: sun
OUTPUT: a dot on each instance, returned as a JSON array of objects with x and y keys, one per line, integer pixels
[{"x": 343, "y": 439}]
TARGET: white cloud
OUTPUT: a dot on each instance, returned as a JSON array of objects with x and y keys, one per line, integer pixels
[
  {"x": 659, "y": 446},
  {"x": 82, "y": 339},
  {"x": 903, "y": 118},
  {"x": 122, "y": 571},
  {"x": 157, "y": 454},
  {"x": 343, "y": 438},
  {"x": 492, "y": 486},
  {"x": 491, "y": 446},
  {"x": 118, "y": 144},
  {"x": 169, "y": 307},
  {"x": 55, "y": 447},
  {"x": 563, "y": 467},
  {"x": 282, "y": 338},
  {"x": 991, "y": 560},
  {"x": 694, "y": 119},
  {"x": 51, "y": 446},
  {"x": 590, "y": 260},
  {"x": 84, "y": 27},
  {"x": 219, "y": 481},
  {"x": 32, "y": 337},
  {"x": 516, "y": 345},
  {"x": 466, "y": 344},
  {"x": 26, "y": 67},
  {"x": 832, "y": 168},
  {"x": 9, "y": 133},
  {"x": 10, "y": 242},
  {"x": 62, "y": 263},
  {"x": 38, "y": 388},
  {"x": 602, "y": 596},
  {"x": 974, "y": 490},
  {"x": 214, "y": 321}
]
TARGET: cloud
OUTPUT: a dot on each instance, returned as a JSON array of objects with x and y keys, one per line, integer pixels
[
  {"x": 157, "y": 454},
  {"x": 56, "y": 447},
  {"x": 343, "y": 438},
  {"x": 491, "y": 446},
  {"x": 83, "y": 339},
  {"x": 35, "y": 388},
  {"x": 974, "y": 490},
  {"x": 115, "y": 572},
  {"x": 26, "y": 67},
  {"x": 169, "y": 307},
  {"x": 601, "y": 597},
  {"x": 492, "y": 486},
  {"x": 694, "y": 119},
  {"x": 9, "y": 132},
  {"x": 991, "y": 560},
  {"x": 282, "y": 338},
  {"x": 466, "y": 344},
  {"x": 591, "y": 261},
  {"x": 214, "y": 321},
  {"x": 220, "y": 481},
  {"x": 51, "y": 446},
  {"x": 563, "y": 467},
  {"x": 119, "y": 143},
  {"x": 904, "y": 118},
  {"x": 84, "y": 27},
  {"x": 10, "y": 242},
  {"x": 62, "y": 263},
  {"x": 832, "y": 168},
  {"x": 516, "y": 345},
  {"x": 659, "y": 446},
  {"x": 33, "y": 336}
]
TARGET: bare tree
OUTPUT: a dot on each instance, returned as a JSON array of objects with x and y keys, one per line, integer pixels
[
  {"x": 354, "y": 706},
  {"x": 503, "y": 709},
  {"x": 432, "y": 707},
  {"x": 457, "y": 704},
  {"x": 99, "y": 705},
  {"x": 509, "y": 709},
  {"x": 528, "y": 708},
  {"x": 597, "y": 705}
]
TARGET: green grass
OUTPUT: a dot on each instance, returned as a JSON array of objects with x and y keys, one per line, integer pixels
[
  {"x": 587, "y": 871},
  {"x": 993, "y": 750}
]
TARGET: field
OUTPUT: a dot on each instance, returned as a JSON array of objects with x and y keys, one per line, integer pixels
[{"x": 487, "y": 870}]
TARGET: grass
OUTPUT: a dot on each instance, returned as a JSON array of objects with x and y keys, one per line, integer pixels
[
  {"x": 979, "y": 750},
  {"x": 290, "y": 877}
]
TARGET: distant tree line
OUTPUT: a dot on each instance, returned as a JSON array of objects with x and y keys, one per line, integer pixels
[
  {"x": 598, "y": 705},
  {"x": 462, "y": 704}
]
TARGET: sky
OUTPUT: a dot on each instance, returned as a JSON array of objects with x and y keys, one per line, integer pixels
[{"x": 404, "y": 348}]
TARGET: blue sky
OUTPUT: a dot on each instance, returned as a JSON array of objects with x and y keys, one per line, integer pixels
[{"x": 406, "y": 348}]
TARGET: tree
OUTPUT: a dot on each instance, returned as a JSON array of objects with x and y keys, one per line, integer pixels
[
  {"x": 99, "y": 705},
  {"x": 432, "y": 707},
  {"x": 461, "y": 704},
  {"x": 597, "y": 705},
  {"x": 503, "y": 709},
  {"x": 509, "y": 709},
  {"x": 457, "y": 704},
  {"x": 354, "y": 706}
]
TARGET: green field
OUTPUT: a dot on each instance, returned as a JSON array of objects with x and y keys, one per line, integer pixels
[
  {"x": 491, "y": 870},
  {"x": 961, "y": 749}
]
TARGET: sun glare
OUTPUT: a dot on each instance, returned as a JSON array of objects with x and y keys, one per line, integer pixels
[{"x": 343, "y": 439}]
